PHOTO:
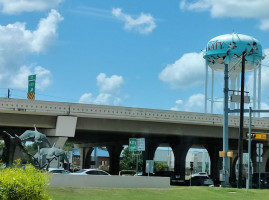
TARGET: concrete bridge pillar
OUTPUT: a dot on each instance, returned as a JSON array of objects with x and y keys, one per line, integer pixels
[
  {"x": 57, "y": 141},
  {"x": 85, "y": 155},
  {"x": 148, "y": 154},
  {"x": 216, "y": 162},
  {"x": 65, "y": 127},
  {"x": 114, "y": 158},
  {"x": 180, "y": 151}
]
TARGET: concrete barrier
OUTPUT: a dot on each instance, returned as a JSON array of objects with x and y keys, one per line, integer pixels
[{"x": 67, "y": 180}]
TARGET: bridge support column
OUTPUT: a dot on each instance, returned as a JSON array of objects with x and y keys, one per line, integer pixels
[
  {"x": 65, "y": 127},
  {"x": 114, "y": 158},
  {"x": 85, "y": 156},
  {"x": 180, "y": 151},
  {"x": 57, "y": 141},
  {"x": 148, "y": 154},
  {"x": 213, "y": 151}
]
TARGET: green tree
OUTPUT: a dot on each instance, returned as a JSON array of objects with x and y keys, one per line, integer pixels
[
  {"x": 160, "y": 166},
  {"x": 32, "y": 149},
  {"x": 68, "y": 146},
  {"x": 128, "y": 161}
]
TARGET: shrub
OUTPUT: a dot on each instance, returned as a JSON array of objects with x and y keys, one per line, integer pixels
[{"x": 26, "y": 183}]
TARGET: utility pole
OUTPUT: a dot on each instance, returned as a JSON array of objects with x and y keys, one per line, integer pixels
[
  {"x": 8, "y": 93},
  {"x": 240, "y": 140}
]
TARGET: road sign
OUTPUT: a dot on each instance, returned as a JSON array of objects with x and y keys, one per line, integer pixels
[
  {"x": 258, "y": 159},
  {"x": 132, "y": 144},
  {"x": 259, "y": 151},
  {"x": 149, "y": 166},
  {"x": 260, "y": 136},
  {"x": 140, "y": 142},
  {"x": 31, "y": 87}
]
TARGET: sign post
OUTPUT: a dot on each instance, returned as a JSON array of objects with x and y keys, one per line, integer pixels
[
  {"x": 259, "y": 152},
  {"x": 137, "y": 145},
  {"x": 31, "y": 87},
  {"x": 149, "y": 166}
]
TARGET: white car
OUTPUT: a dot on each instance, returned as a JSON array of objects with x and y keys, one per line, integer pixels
[
  {"x": 91, "y": 172},
  {"x": 58, "y": 171}
]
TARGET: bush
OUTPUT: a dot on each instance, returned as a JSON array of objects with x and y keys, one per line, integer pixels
[{"x": 26, "y": 183}]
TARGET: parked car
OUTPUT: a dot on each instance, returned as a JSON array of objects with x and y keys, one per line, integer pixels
[
  {"x": 201, "y": 180},
  {"x": 174, "y": 179},
  {"x": 199, "y": 174},
  {"x": 264, "y": 180},
  {"x": 91, "y": 172},
  {"x": 58, "y": 171}
]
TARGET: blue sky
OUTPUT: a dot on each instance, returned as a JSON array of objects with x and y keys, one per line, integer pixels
[{"x": 120, "y": 52}]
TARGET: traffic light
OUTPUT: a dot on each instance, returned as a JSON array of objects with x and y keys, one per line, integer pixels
[{"x": 252, "y": 135}]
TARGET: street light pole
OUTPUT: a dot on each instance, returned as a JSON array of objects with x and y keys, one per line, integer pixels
[{"x": 249, "y": 151}]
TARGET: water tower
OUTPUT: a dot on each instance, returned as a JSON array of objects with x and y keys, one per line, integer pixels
[
  {"x": 228, "y": 49},
  {"x": 225, "y": 53}
]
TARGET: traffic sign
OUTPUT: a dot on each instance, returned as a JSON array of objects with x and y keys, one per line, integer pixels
[
  {"x": 260, "y": 136},
  {"x": 31, "y": 87},
  {"x": 132, "y": 144},
  {"x": 140, "y": 142},
  {"x": 149, "y": 166},
  {"x": 258, "y": 159}
]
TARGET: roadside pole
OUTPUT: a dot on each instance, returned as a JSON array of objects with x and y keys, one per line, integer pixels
[{"x": 249, "y": 182}]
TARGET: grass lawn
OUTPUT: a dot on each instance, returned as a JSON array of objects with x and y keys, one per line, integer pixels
[{"x": 177, "y": 193}]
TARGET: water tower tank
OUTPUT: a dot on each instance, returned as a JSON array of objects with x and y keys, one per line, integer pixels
[{"x": 229, "y": 48}]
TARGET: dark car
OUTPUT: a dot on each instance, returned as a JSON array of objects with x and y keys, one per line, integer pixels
[
  {"x": 264, "y": 180},
  {"x": 174, "y": 179},
  {"x": 201, "y": 181}
]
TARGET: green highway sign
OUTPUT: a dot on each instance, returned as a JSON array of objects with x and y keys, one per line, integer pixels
[
  {"x": 31, "y": 83},
  {"x": 31, "y": 87},
  {"x": 132, "y": 144}
]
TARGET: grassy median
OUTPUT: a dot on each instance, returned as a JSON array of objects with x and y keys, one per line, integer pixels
[{"x": 174, "y": 193}]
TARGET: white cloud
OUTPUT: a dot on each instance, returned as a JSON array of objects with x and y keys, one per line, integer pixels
[
  {"x": 109, "y": 91},
  {"x": 19, "y": 6},
  {"x": 109, "y": 85},
  {"x": 144, "y": 24},
  {"x": 195, "y": 103},
  {"x": 257, "y": 9},
  {"x": 17, "y": 42},
  {"x": 20, "y": 79},
  {"x": 188, "y": 71}
]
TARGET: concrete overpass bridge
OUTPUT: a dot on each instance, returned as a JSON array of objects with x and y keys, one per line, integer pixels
[{"x": 94, "y": 125}]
